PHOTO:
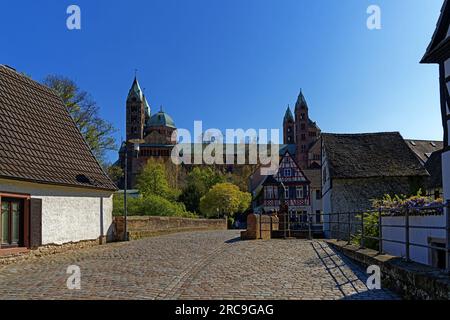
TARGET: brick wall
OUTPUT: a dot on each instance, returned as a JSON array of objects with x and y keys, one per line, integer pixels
[{"x": 147, "y": 226}]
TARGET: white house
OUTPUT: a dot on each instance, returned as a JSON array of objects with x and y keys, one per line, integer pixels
[
  {"x": 438, "y": 52},
  {"x": 52, "y": 189}
]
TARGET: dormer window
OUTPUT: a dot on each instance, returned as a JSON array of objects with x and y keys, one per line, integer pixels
[{"x": 287, "y": 172}]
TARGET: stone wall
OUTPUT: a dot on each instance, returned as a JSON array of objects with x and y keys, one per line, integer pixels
[
  {"x": 260, "y": 227},
  {"x": 411, "y": 280},
  {"x": 47, "y": 250},
  {"x": 147, "y": 226},
  {"x": 353, "y": 196}
]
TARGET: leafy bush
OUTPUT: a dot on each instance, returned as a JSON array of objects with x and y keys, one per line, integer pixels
[
  {"x": 151, "y": 205},
  {"x": 391, "y": 206},
  {"x": 370, "y": 230}
]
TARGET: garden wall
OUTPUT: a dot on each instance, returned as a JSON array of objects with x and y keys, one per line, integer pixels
[{"x": 148, "y": 226}]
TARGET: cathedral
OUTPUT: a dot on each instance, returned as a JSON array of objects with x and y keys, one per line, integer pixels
[
  {"x": 156, "y": 134},
  {"x": 154, "y": 131}
]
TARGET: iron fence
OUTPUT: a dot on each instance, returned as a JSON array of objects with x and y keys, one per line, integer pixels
[{"x": 357, "y": 227}]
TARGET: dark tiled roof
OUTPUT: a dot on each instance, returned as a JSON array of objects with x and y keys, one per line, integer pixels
[
  {"x": 440, "y": 41},
  {"x": 39, "y": 141},
  {"x": 370, "y": 155},
  {"x": 434, "y": 168},
  {"x": 424, "y": 148},
  {"x": 314, "y": 176}
]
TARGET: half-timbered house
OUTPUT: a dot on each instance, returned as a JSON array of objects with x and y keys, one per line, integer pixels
[{"x": 289, "y": 186}]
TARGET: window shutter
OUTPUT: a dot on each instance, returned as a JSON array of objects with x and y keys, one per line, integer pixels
[{"x": 35, "y": 222}]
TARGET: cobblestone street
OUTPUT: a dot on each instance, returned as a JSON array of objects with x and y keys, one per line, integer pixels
[{"x": 198, "y": 265}]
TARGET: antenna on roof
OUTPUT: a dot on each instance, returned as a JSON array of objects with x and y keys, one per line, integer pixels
[{"x": 135, "y": 72}]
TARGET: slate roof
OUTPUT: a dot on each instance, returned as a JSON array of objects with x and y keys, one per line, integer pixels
[
  {"x": 424, "y": 148},
  {"x": 314, "y": 176},
  {"x": 39, "y": 141},
  {"x": 366, "y": 155}
]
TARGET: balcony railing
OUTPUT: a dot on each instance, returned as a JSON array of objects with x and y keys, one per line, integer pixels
[{"x": 290, "y": 202}]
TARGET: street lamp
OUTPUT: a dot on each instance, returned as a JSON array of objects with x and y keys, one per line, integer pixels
[{"x": 136, "y": 147}]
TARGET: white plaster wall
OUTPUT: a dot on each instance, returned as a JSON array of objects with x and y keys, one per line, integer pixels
[
  {"x": 419, "y": 236},
  {"x": 68, "y": 214}
]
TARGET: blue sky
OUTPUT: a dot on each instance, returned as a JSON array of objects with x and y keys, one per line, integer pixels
[{"x": 239, "y": 63}]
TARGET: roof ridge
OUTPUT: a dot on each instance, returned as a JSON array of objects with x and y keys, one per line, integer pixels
[{"x": 360, "y": 134}]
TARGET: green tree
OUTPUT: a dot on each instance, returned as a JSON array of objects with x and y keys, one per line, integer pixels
[
  {"x": 153, "y": 181},
  {"x": 224, "y": 198},
  {"x": 114, "y": 172},
  {"x": 198, "y": 182},
  {"x": 97, "y": 132}
]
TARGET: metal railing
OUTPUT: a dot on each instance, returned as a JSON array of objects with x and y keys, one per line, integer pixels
[
  {"x": 353, "y": 227},
  {"x": 293, "y": 221}
]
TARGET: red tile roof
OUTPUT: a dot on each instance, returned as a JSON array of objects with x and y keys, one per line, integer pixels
[{"x": 39, "y": 141}]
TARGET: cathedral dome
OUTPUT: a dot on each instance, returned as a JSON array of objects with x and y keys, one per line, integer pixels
[{"x": 161, "y": 119}]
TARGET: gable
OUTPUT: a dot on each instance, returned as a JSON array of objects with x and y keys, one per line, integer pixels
[{"x": 288, "y": 165}]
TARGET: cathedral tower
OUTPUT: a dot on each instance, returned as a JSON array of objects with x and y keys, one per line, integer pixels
[
  {"x": 288, "y": 127},
  {"x": 137, "y": 112}
]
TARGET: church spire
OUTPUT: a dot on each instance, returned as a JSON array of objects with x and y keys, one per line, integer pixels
[
  {"x": 135, "y": 90},
  {"x": 301, "y": 101},
  {"x": 288, "y": 115}
]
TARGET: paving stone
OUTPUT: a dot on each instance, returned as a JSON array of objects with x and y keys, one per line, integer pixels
[{"x": 196, "y": 265}]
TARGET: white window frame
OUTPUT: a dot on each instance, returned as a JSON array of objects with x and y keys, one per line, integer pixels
[
  {"x": 299, "y": 192},
  {"x": 289, "y": 171},
  {"x": 286, "y": 193},
  {"x": 269, "y": 192}
]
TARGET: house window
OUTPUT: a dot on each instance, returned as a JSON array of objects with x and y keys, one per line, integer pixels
[
  {"x": 299, "y": 192},
  {"x": 12, "y": 222},
  {"x": 287, "y": 172},
  {"x": 318, "y": 195},
  {"x": 303, "y": 137},
  {"x": 289, "y": 139},
  {"x": 302, "y": 116},
  {"x": 289, "y": 130},
  {"x": 303, "y": 148},
  {"x": 318, "y": 216},
  {"x": 303, "y": 126},
  {"x": 269, "y": 192},
  {"x": 286, "y": 193}
]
